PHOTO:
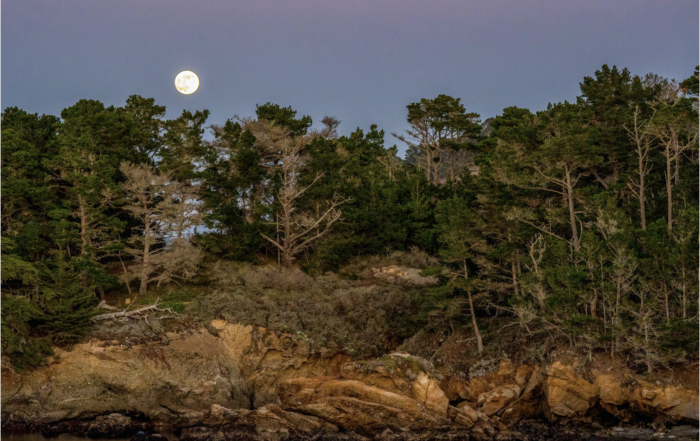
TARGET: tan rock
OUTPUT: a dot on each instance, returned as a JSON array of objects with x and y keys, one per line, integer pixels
[
  {"x": 523, "y": 374},
  {"x": 493, "y": 401},
  {"x": 376, "y": 375},
  {"x": 460, "y": 417},
  {"x": 469, "y": 412},
  {"x": 609, "y": 389},
  {"x": 426, "y": 391},
  {"x": 353, "y": 405},
  {"x": 674, "y": 401},
  {"x": 454, "y": 387},
  {"x": 566, "y": 393}
]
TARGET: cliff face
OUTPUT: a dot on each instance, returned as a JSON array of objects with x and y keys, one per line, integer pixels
[{"x": 233, "y": 377}]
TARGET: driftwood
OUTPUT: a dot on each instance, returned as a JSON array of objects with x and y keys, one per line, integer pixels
[{"x": 125, "y": 313}]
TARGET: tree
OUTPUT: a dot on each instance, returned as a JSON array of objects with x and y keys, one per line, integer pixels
[
  {"x": 640, "y": 134},
  {"x": 461, "y": 248},
  {"x": 232, "y": 193},
  {"x": 675, "y": 127},
  {"x": 557, "y": 164},
  {"x": 27, "y": 196},
  {"x": 84, "y": 169},
  {"x": 441, "y": 131},
  {"x": 297, "y": 230},
  {"x": 150, "y": 199},
  {"x": 184, "y": 146},
  {"x": 284, "y": 116}
]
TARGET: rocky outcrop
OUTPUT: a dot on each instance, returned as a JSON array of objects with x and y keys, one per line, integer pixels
[
  {"x": 566, "y": 393},
  {"x": 229, "y": 380},
  {"x": 426, "y": 391},
  {"x": 673, "y": 401}
]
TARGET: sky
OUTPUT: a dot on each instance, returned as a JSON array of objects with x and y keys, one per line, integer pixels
[{"x": 361, "y": 61}]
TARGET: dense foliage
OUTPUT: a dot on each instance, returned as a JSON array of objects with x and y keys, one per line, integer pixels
[{"x": 579, "y": 221}]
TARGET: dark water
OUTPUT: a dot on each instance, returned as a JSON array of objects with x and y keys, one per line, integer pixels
[{"x": 37, "y": 437}]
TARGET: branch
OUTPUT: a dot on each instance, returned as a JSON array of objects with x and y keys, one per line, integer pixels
[
  {"x": 273, "y": 242},
  {"x": 153, "y": 307},
  {"x": 331, "y": 210},
  {"x": 543, "y": 230}
]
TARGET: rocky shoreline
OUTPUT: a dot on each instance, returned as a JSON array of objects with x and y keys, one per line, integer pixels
[{"x": 232, "y": 382}]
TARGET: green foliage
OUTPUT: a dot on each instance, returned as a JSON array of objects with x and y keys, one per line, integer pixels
[
  {"x": 66, "y": 304},
  {"x": 284, "y": 116},
  {"x": 534, "y": 216}
]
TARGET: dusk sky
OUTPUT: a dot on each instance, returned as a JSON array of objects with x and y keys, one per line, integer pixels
[{"x": 362, "y": 61}]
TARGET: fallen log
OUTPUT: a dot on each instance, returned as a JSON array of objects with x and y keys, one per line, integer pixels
[
  {"x": 125, "y": 313},
  {"x": 104, "y": 305}
]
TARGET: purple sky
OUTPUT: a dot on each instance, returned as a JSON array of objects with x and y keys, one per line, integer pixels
[{"x": 362, "y": 61}]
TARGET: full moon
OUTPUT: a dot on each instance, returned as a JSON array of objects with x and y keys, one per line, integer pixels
[{"x": 187, "y": 82}]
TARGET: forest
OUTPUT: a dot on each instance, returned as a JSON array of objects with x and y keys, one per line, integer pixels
[{"x": 577, "y": 223}]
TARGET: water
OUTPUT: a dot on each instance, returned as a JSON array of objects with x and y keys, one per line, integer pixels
[{"x": 64, "y": 437}]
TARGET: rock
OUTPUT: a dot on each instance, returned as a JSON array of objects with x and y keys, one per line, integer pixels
[
  {"x": 566, "y": 393},
  {"x": 378, "y": 375},
  {"x": 491, "y": 402},
  {"x": 141, "y": 436},
  {"x": 609, "y": 389},
  {"x": 354, "y": 406},
  {"x": 455, "y": 387},
  {"x": 202, "y": 434},
  {"x": 676, "y": 402},
  {"x": 464, "y": 416},
  {"x": 523, "y": 374},
  {"x": 529, "y": 403},
  {"x": 427, "y": 392},
  {"x": 110, "y": 426},
  {"x": 467, "y": 403}
]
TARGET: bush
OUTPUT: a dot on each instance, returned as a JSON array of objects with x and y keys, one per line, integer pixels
[{"x": 329, "y": 312}]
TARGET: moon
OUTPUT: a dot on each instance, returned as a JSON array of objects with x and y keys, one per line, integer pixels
[{"x": 187, "y": 82}]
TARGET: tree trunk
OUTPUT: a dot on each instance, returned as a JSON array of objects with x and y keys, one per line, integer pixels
[
  {"x": 515, "y": 278},
  {"x": 146, "y": 251},
  {"x": 641, "y": 194},
  {"x": 429, "y": 164},
  {"x": 479, "y": 343},
  {"x": 669, "y": 191},
  {"x": 685, "y": 298},
  {"x": 572, "y": 212},
  {"x": 677, "y": 175},
  {"x": 83, "y": 227}
]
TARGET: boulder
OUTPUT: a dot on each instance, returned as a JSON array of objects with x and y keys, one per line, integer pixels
[
  {"x": 354, "y": 406},
  {"x": 426, "y": 391},
  {"x": 493, "y": 401},
  {"x": 529, "y": 403},
  {"x": 566, "y": 394},
  {"x": 674, "y": 401},
  {"x": 455, "y": 387}
]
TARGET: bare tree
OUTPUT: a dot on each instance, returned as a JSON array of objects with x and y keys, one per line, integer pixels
[
  {"x": 296, "y": 230},
  {"x": 150, "y": 199},
  {"x": 184, "y": 209},
  {"x": 672, "y": 148},
  {"x": 643, "y": 139}
]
